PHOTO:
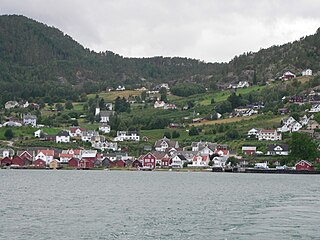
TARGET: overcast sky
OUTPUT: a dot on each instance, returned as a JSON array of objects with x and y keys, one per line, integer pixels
[{"x": 209, "y": 30}]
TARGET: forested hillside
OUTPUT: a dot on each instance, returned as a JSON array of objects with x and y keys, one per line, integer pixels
[{"x": 37, "y": 61}]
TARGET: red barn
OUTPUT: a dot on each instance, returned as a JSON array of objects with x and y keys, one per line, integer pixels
[
  {"x": 39, "y": 163},
  {"x": 6, "y": 161},
  {"x": 149, "y": 161},
  {"x": 304, "y": 165},
  {"x": 18, "y": 161}
]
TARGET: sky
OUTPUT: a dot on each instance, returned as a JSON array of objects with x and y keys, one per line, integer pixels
[{"x": 208, "y": 30}]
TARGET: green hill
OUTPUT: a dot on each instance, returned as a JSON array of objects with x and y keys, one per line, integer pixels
[{"x": 38, "y": 61}]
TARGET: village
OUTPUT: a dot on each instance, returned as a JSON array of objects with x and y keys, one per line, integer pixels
[{"x": 98, "y": 149}]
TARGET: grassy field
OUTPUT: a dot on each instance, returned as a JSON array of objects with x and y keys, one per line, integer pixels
[
  {"x": 226, "y": 120},
  {"x": 111, "y": 96},
  {"x": 223, "y": 95}
]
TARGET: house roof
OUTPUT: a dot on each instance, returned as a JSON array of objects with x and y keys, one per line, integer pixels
[
  {"x": 65, "y": 155},
  {"x": 74, "y": 129},
  {"x": 20, "y": 152},
  {"x": 267, "y": 131},
  {"x": 46, "y": 152},
  {"x": 284, "y": 147},
  {"x": 159, "y": 155},
  {"x": 203, "y": 158},
  {"x": 171, "y": 143},
  {"x": 183, "y": 158},
  {"x": 28, "y": 116},
  {"x": 106, "y": 113},
  {"x": 305, "y": 161},
  {"x": 88, "y": 153},
  {"x": 248, "y": 148},
  {"x": 202, "y": 145},
  {"x": 63, "y": 134}
]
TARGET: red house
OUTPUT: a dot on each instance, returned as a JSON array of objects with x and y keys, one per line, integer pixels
[
  {"x": 39, "y": 163},
  {"x": 117, "y": 163},
  {"x": 304, "y": 165},
  {"x": 249, "y": 150},
  {"x": 6, "y": 161},
  {"x": 166, "y": 162},
  {"x": 73, "y": 162},
  {"x": 149, "y": 161},
  {"x": 85, "y": 164},
  {"x": 136, "y": 163},
  {"x": 18, "y": 161},
  {"x": 26, "y": 155}
]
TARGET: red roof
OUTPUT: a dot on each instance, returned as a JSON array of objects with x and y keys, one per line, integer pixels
[
  {"x": 224, "y": 152},
  {"x": 74, "y": 129},
  {"x": 46, "y": 152},
  {"x": 65, "y": 155},
  {"x": 267, "y": 131}
]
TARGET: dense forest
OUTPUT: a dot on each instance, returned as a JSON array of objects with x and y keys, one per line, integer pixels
[{"x": 38, "y": 61}]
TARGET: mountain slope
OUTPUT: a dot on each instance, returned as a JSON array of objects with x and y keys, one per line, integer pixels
[{"x": 37, "y": 61}]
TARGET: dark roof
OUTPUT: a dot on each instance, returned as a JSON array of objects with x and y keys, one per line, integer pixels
[
  {"x": 106, "y": 113},
  {"x": 171, "y": 143},
  {"x": 271, "y": 147},
  {"x": 182, "y": 157},
  {"x": 63, "y": 133}
]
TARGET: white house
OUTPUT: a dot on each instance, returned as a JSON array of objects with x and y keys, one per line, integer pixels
[
  {"x": 278, "y": 149},
  {"x": 261, "y": 165},
  {"x": 104, "y": 145},
  {"x": 87, "y": 135},
  {"x": 38, "y": 134},
  {"x": 165, "y": 143},
  {"x": 63, "y": 137},
  {"x": 178, "y": 161},
  {"x": 29, "y": 119},
  {"x": 169, "y": 106},
  {"x": 6, "y": 152},
  {"x": 159, "y": 104},
  {"x": 292, "y": 127},
  {"x": 305, "y": 120},
  {"x": 120, "y": 88},
  {"x": 105, "y": 116},
  {"x": 287, "y": 75},
  {"x": 204, "y": 148},
  {"x": 307, "y": 72},
  {"x": 269, "y": 135},
  {"x": 76, "y": 131},
  {"x": 243, "y": 84},
  {"x": 45, "y": 155},
  {"x": 253, "y": 132},
  {"x": 315, "y": 108},
  {"x": 127, "y": 136},
  {"x": 289, "y": 120},
  {"x": 200, "y": 161},
  {"x": 105, "y": 128}
]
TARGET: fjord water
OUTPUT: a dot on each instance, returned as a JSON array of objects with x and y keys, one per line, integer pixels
[{"x": 38, "y": 204}]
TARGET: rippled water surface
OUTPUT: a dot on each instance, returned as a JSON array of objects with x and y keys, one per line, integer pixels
[{"x": 40, "y": 204}]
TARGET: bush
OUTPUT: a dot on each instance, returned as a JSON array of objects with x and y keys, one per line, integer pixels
[
  {"x": 175, "y": 134},
  {"x": 193, "y": 131}
]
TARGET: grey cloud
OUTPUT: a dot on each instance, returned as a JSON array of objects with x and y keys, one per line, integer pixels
[{"x": 209, "y": 30}]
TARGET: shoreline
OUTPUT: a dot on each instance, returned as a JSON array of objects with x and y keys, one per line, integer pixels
[{"x": 247, "y": 170}]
